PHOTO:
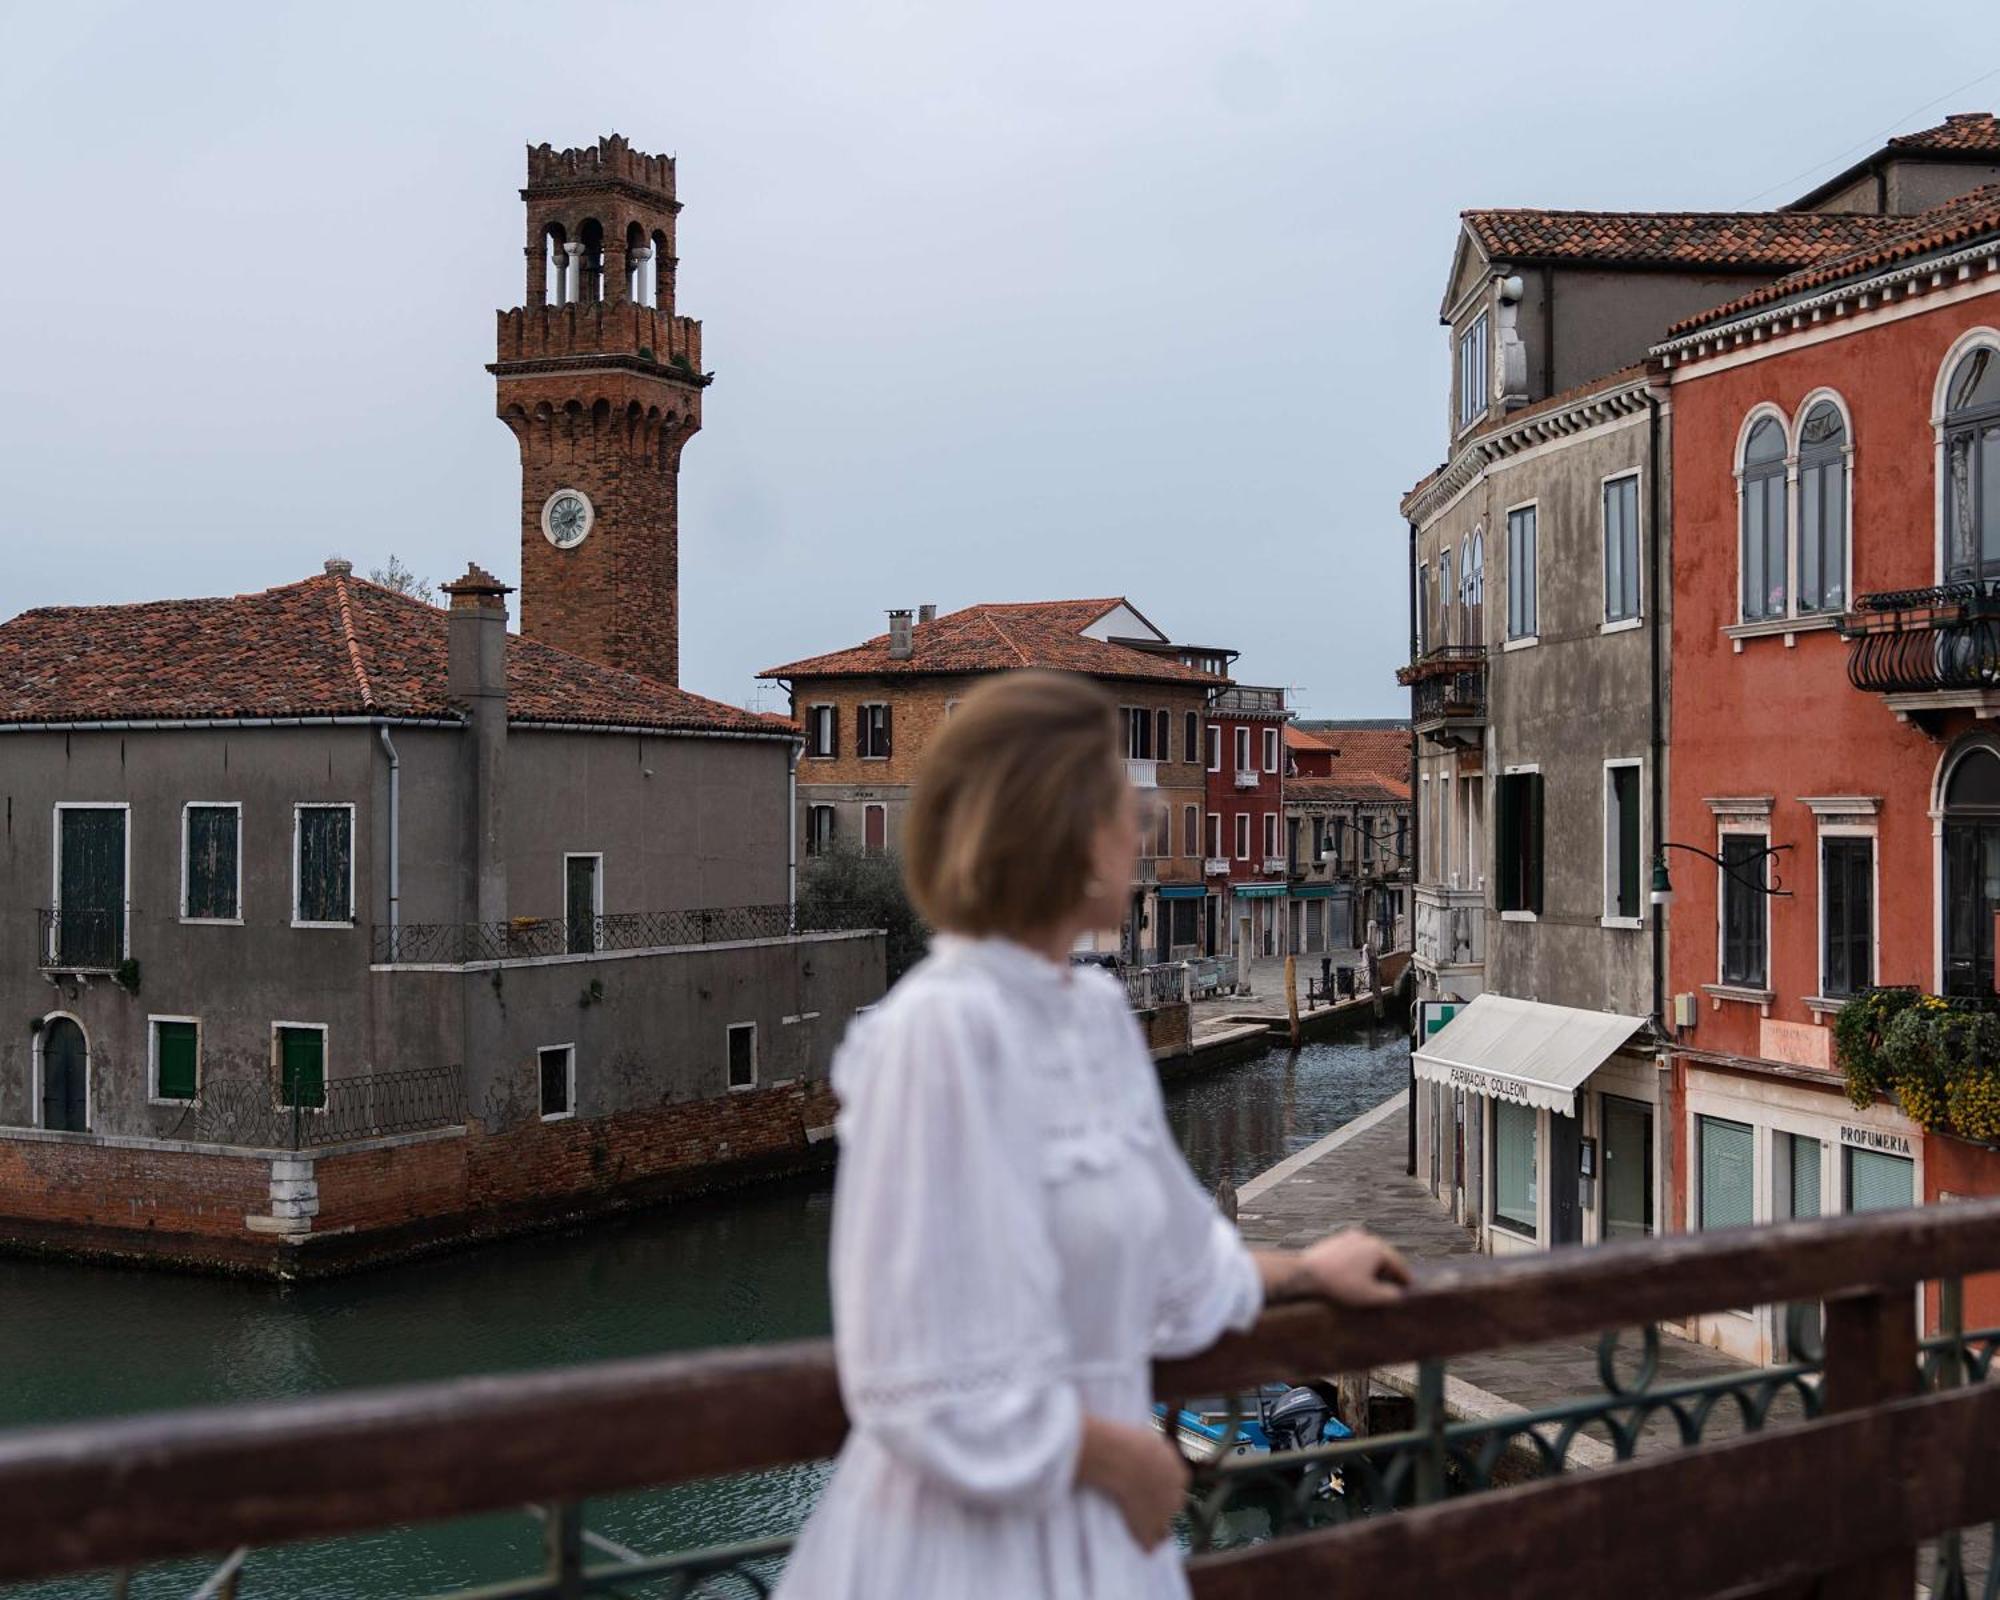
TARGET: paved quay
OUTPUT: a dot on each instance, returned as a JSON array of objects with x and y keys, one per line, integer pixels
[
  {"x": 1355, "y": 1176},
  {"x": 1221, "y": 1018}
]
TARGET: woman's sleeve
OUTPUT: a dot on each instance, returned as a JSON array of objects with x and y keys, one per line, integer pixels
[{"x": 953, "y": 1351}]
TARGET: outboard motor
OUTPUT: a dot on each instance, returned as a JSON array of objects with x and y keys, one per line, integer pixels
[{"x": 1297, "y": 1419}]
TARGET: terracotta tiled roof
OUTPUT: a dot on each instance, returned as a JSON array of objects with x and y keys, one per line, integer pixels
[
  {"x": 1749, "y": 241},
  {"x": 1954, "y": 223},
  {"x": 1297, "y": 738},
  {"x": 331, "y": 645},
  {"x": 1000, "y": 638},
  {"x": 1969, "y": 133},
  {"x": 1363, "y": 788}
]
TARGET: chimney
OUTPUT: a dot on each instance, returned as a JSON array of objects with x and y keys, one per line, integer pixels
[
  {"x": 927, "y": 612},
  {"x": 339, "y": 567},
  {"x": 477, "y": 682},
  {"x": 900, "y": 647}
]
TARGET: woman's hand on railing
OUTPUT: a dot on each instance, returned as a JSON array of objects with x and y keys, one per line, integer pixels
[
  {"x": 1349, "y": 1268},
  {"x": 1139, "y": 1471}
]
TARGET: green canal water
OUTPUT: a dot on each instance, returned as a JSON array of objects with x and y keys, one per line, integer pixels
[{"x": 79, "y": 1341}]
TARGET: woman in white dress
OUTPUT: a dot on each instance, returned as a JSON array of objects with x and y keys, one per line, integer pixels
[{"x": 1016, "y": 1235}]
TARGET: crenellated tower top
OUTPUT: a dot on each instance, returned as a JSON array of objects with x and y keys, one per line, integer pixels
[{"x": 600, "y": 226}]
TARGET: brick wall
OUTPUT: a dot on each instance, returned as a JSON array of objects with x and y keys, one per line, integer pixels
[{"x": 90, "y": 1198}]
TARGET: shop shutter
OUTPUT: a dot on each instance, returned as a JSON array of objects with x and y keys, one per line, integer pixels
[
  {"x": 1876, "y": 1182},
  {"x": 1805, "y": 1176},
  {"x": 1728, "y": 1189},
  {"x": 175, "y": 1044}
]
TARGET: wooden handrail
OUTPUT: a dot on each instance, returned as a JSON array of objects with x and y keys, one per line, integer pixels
[{"x": 148, "y": 1488}]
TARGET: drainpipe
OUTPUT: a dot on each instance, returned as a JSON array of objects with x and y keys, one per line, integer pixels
[
  {"x": 1659, "y": 735},
  {"x": 395, "y": 836},
  {"x": 792, "y": 840},
  {"x": 1416, "y": 843}
]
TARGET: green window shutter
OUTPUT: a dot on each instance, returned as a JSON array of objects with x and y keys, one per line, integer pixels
[
  {"x": 212, "y": 846},
  {"x": 1727, "y": 1173},
  {"x": 1876, "y": 1182},
  {"x": 302, "y": 1067},
  {"x": 1533, "y": 875},
  {"x": 326, "y": 864},
  {"x": 175, "y": 1048},
  {"x": 1509, "y": 833}
]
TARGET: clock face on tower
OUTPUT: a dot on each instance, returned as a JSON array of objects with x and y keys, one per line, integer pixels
[{"x": 566, "y": 518}]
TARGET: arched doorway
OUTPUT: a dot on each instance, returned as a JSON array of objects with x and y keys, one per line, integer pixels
[
  {"x": 65, "y": 1077},
  {"x": 1971, "y": 870}
]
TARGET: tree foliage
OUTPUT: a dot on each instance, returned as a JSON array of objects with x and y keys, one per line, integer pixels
[
  {"x": 402, "y": 580},
  {"x": 844, "y": 888}
]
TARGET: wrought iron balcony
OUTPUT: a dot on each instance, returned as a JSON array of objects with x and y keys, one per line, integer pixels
[
  {"x": 1927, "y": 649},
  {"x": 80, "y": 941},
  {"x": 1449, "y": 697},
  {"x": 1751, "y": 1460}
]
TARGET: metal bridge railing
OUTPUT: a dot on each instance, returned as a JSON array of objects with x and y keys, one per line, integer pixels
[
  {"x": 453, "y": 943},
  {"x": 259, "y": 1113},
  {"x": 1836, "y": 1465}
]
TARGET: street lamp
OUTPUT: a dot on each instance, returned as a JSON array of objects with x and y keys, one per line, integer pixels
[{"x": 1663, "y": 884}]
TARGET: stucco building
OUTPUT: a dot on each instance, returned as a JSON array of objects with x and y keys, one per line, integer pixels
[
  {"x": 870, "y": 711},
  {"x": 1348, "y": 835},
  {"x": 341, "y": 924}
]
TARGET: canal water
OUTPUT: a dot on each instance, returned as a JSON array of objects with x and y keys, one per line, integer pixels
[{"x": 78, "y": 1341}]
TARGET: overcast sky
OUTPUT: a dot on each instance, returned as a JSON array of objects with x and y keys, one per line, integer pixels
[{"x": 1004, "y": 301}]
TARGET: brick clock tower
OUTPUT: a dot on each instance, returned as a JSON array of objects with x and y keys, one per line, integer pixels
[{"x": 601, "y": 385}]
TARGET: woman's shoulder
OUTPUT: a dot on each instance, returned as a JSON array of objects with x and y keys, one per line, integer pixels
[{"x": 941, "y": 1018}]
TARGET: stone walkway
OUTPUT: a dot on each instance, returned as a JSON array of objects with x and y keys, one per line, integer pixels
[
  {"x": 1252, "y": 1013},
  {"x": 1357, "y": 1177}
]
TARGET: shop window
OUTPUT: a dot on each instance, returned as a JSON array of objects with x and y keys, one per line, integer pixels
[
  {"x": 1744, "y": 910},
  {"x": 1727, "y": 1165},
  {"x": 558, "y": 1081},
  {"x": 1847, "y": 882},
  {"x": 1878, "y": 1182},
  {"x": 1518, "y": 842},
  {"x": 1516, "y": 1171}
]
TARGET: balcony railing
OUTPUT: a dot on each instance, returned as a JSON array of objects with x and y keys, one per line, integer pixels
[
  {"x": 1836, "y": 1465},
  {"x": 1926, "y": 641},
  {"x": 250, "y": 1112},
  {"x": 1450, "y": 927},
  {"x": 453, "y": 943},
  {"x": 1146, "y": 987},
  {"x": 79, "y": 941},
  {"x": 1243, "y": 701},
  {"x": 1449, "y": 701}
]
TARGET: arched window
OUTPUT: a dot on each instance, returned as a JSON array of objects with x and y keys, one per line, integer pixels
[
  {"x": 1445, "y": 596},
  {"x": 557, "y": 289},
  {"x": 1764, "y": 523},
  {"x": 1472, "y": 587},
  {"x": 1823, "y": 509},
  {"x": 590, "y": 270},
  {"x": 1971, "y": 870},
  {"x": 635, "y": 264},
  {"x": 1972, "y": 466}
]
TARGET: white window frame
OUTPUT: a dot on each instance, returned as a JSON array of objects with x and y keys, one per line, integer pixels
[
  {"x": 187, "y": 810},
  {"x": 1241, "y": 742},
  {"x": 1961, "y": 347},
  {"x": 831, "y": 711},
  {"x": 1215, "y": 760},
  {"x": 729, "y": 1034},
  {"x": 1845, "y": 817},
  {"x": 89, "y": 1076},
  {"x": 1794, "y": 439},
  {"x": 569, "y": 1081},
  {"x": 55, "y": 867},
  {"x": 277, "y": 1060},
  {"x": 871, "y": 707},
  {"x": 1759, "y": 827},
  {"x": 1511, "y": 639},
  {"x": 1527, "y": 768},
  {"x": 1271, "y": 840},
  {"x": 353, "y": 861},
  {"x": 596, "y": 892},
  {"x": 1423, "y": 605},
  {"x": 153, "y": 1095},
  {"x": 1242, "y": 836},
  {"x": 1213, "y": 837},
  {"x": 1605, "y": 623},
  {"x": 1610, "y": 917},
  {"x": 1270, "y": 749},
  {"x": 833, "y": 818},
  {"x": 1474, "y": 349},
  {"x": 875, "y": 805}
]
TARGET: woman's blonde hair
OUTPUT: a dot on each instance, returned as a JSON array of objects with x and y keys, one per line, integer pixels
[{"x": 1001, "y": 834}]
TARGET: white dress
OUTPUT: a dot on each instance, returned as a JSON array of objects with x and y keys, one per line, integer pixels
[{"x": 1015, "y": 1237}]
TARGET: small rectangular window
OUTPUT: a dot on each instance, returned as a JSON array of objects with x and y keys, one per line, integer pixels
[
  {"x": 301, "y": 1052},
  {"x": 583, "y": 903},
  {"x": 819, "y": 830},
  {"x": 1191, "y": 831},
  {"x": 1163, "y": 832},
  {"x": 1242, "y": 836},
  {"x": 1621, "y": 841},
  {"x": 1270, "y": 749},
  {"x": 1472, "y": 372},
  {"x": 1191, "y": 738},
  {"x": 1215, "y": 835},
  {"x": 212, "y": 864},
  {"x": 1163, "y": 735},
  {"x": 1621, "y": 549},
  {"x": 823, "y": 731},
  {"x": 1243, "y": 763},
  {"x": 1521, "y": 618},
  {"x": 176, "y": 1058},
  {"x": 558, "y": 1081},
  {"x": 873, "y": 731},
  {"x": 1518, "y": 842},
  {"x": 1847, "y": 882},
  {"x": 874, "y": 830},
  {"x": 742, "y": 1055},
  {"x": 1214, "y": 748},
  {"x": 1270, "y": 835},
  {"x": 1726, "y": 1152},
  {"x": 1744, "y": 907},
  {"x": 1516, "y": 1167},
  {"x": 324, "y": 870}
]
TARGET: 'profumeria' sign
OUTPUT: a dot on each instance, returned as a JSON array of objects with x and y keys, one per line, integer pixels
[{"x": 1894, "y": 1144}]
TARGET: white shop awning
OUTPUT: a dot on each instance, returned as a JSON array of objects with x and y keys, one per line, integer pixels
[{"x": 1522, "y": 1050}]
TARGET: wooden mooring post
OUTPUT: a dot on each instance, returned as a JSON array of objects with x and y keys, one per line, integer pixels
[{"x": 1292, "y": 996}]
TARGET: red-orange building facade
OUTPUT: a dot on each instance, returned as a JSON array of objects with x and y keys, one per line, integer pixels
[{"x": 1815, "y": 714}]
